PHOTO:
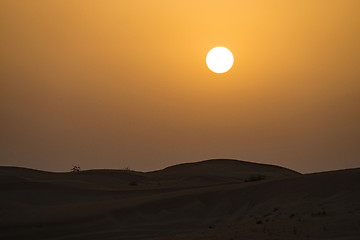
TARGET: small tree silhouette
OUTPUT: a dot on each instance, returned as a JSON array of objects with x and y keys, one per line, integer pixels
[{"x": 75, "y": 168}]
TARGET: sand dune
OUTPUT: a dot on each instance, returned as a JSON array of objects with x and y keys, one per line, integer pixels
[{"x": 214, "y": 199}]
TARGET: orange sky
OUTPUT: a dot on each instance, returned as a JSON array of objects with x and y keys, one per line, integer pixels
[{"x": 114, "y": 84}]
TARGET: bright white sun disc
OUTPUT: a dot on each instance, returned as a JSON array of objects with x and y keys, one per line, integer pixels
[{"x": 219, "y": 59}]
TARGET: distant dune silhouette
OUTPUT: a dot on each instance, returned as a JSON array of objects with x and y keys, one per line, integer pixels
[{"x": 212, "y": 199}]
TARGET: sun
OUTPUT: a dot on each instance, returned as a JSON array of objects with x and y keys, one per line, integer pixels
[{"x": 219, "y": 59}]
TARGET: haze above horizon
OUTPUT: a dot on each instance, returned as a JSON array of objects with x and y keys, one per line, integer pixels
[{"x": 114, "y": 84}]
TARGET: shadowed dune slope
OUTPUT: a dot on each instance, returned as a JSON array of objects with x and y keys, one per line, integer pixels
[
  {"x": 215, "y": 171},
  {"x": 286, "y": 205},
  {"x": 222, "y": 167}
]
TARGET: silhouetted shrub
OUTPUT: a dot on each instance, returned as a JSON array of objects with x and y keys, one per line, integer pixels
[
  {"x": 254, "y": 178},
  {"x": 75, "y": 169}
]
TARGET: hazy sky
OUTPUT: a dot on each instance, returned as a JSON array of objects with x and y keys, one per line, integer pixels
[{"x": 114, "y": 84}]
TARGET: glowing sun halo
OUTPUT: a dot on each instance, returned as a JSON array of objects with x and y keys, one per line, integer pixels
[{"x": 219, "y": 60}]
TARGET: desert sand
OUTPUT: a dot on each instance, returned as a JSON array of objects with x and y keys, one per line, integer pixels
[{"x": 214, "y": 199}]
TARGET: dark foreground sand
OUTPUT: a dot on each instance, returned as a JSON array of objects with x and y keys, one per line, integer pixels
[{"x": 215, "y": 199}]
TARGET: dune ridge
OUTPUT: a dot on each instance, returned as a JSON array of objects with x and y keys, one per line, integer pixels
[{"x": 202, "y": 200}]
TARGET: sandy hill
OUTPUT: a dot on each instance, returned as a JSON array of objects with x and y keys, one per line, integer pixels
[
  {"x": 209, "y": 172},
  {"x": 117, "y": 204},
  {"x": 218, "y": 171}
]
